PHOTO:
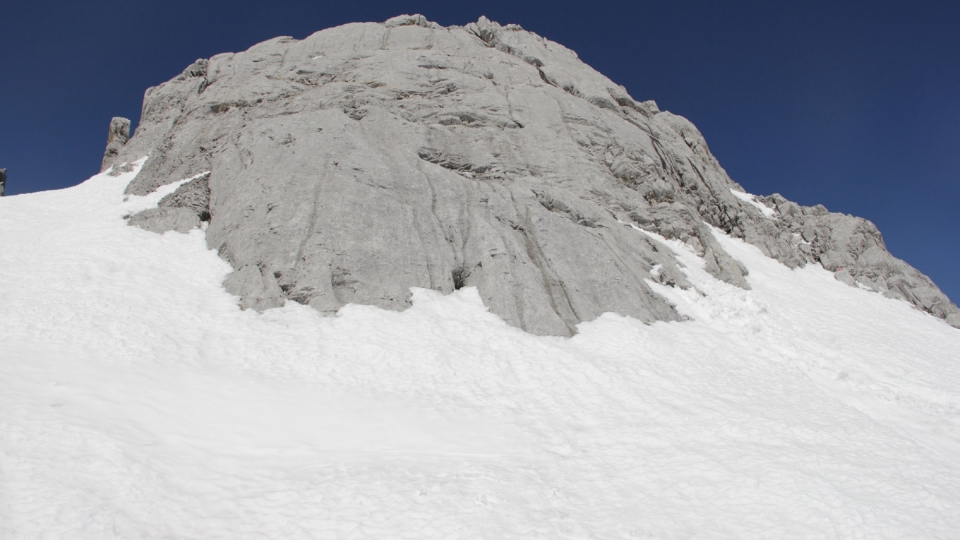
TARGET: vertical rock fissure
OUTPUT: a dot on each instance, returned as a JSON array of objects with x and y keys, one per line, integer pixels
[{"x": 537, "y": 257}]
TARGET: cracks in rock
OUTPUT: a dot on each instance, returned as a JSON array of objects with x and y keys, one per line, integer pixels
[
  {"x": 559, "y": 207},
  {"x": 432, "y": 64},
  {"x": 546, "y": 78},
  {"x": 355, "y": 111},
  {"x": 341, "y": 281},
  {"x": 506, "y": 97},
  {"x": 222, "y": 107},
  {"x": 193, "y": 195},
  {"x": 489, "y": 33},
  {"x": 558, "y": 299},
  {"x": 459, "y": 276},
  {"x": 303, "y": 295},
  {"x": 313, "y": 78},
  {"x": 197, "y": 69},
  {"x": 385, "y": 40},
  {"x": 639, "y": 280},
  {"x": 242, "y": 104},
  {"x": 456, "y": 163},
  {"x": 665, "y": 163},
  {"x": 435, "y": 274},
  {"x": 471, "y": 119}
]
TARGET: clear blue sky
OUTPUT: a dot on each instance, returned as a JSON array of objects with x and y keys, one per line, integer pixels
[{"x": 855, "y": 105}]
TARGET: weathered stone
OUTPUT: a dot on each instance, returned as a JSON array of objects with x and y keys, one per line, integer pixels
[
  {"x": 161, "y": 220},
  {"x": 191, "y": 197},
  {"x": 116, "y": 139},
  {"x": 256, "y": 289},
  {"x": 3, "y": 181},
  {"x": 371, "y": 158},
  {"x": 411, "y": 20}
]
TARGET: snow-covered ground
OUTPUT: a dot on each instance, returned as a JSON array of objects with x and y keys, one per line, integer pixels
[{"x": 138, "y": 401}]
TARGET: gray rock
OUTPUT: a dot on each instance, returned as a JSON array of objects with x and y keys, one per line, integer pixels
[
  {"x": 371, "y": 158},
  {"x": 3, "y": 181},
  {"x": 193, "y": 195},
  {"x": 116, "y": 139},
  {"x": 257, "y": 289},
  {"x": 161, "y": 220},
  {"x": 180, "y": 211},
  {"x": 953, "y": 320},
  {"x": 411, "y": 20}
]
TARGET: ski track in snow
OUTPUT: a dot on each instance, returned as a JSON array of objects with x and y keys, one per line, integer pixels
[{"x": 138, "y": 401}]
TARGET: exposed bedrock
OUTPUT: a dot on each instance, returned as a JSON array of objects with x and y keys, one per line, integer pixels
[
  {"x": 3, "y": 181},
  {"x": 371, "y": 158},
  {"x": 180, "y": 211},
  {"x": 117, "y": 137}
]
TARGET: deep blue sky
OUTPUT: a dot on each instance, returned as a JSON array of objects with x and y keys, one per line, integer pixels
[{"x": 855, "y": 105}]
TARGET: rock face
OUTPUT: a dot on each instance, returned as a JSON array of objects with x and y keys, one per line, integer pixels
[
  {"x": 3, "y": 181},
  {"x": 371, "y": 158},
  {"x": 182, "y": 210},
  {"x": 118, "y": 136}
]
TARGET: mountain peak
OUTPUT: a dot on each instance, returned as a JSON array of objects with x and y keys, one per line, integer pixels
[{"x": 370, "y": 158}]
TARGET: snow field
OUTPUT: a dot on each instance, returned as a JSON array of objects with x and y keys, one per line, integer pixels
[{"x": 138, "y": 401}]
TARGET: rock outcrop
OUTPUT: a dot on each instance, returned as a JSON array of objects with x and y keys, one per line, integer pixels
[
  {"x": 3, "y": 181},
  {"x": 182, "y": 210},
  {"x": 116, "y": 139},
  {"x": 371, "y": 158}
]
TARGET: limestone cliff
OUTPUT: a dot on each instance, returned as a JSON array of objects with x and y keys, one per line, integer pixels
[{"x": 370, "y": 158}]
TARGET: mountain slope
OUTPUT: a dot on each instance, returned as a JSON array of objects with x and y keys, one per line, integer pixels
[
  {"x": 371, "y": 158},
  {"x": 138, "y": 400}
]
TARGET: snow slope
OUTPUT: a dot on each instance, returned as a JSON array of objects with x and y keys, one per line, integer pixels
[{"x": 138, "y": 401}]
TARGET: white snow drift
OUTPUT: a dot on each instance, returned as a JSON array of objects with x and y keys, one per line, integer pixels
[{"x": 138, "y": 401}]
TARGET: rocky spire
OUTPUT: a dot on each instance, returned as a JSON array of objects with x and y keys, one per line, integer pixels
[{"x": 116, "y": 139}]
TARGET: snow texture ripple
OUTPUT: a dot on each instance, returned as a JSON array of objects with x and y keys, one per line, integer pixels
[{"x": 137, "y": 400}]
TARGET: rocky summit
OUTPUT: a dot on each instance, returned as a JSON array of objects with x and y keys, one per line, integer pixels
[{"x": 371, "y": 158}]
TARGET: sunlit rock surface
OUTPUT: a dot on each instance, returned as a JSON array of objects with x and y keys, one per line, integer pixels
[{"x": 371, "y": 158}]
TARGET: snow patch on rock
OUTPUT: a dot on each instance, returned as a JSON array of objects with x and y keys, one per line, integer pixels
[{"x": 765, "y": 210}]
